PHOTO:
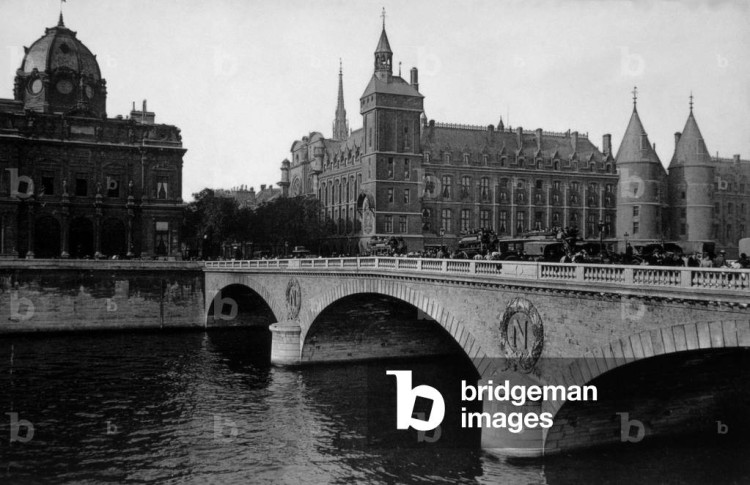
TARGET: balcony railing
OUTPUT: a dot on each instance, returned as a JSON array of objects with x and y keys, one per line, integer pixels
[{"x": 735, "y": 281}]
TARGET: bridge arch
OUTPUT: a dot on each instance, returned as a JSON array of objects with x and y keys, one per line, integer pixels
[
  {"x": 400, "y": 292},
  {"x": 640, "y": 347},
  {"x": 214, "y": 295}
]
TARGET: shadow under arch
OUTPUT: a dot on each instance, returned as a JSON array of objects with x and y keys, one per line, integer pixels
[
  {"x": 427, "y": 306},
  {"x": 653, "y": 377},
  {"x": 239, "y": 304}
]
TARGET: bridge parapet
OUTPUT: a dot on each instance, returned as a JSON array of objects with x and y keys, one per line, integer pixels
[{"x": 717, "y": 284}]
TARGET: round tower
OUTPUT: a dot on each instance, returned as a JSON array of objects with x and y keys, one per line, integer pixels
[
  {"x": 641, "y": 179},
  {"x": 691, "y": 179},
  {"x": 284, "y": 184}
]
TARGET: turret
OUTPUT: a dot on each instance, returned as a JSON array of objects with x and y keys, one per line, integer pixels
[
  {"x": 691, "y": 177},
  {"x": 640, "y": 194},
  {"x": 284, "y": 184}
]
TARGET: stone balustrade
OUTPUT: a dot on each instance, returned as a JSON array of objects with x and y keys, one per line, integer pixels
[{"x": 731, "y": 281}]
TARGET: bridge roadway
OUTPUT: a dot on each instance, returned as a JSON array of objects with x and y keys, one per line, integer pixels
[{"x": 549, "y": 323}]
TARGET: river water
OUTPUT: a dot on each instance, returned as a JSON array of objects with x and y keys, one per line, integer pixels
[{"x": 192, "y": 407}]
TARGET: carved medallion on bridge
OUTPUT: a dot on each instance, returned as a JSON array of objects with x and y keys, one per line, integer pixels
[
  {"x": 293, "y": 299},
  {"x": 522, "y": 334}
]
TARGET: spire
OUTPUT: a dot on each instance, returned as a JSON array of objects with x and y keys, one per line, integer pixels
[
  {"x": 691, "y": 101},
  {"x": 60, "y": 22},
  {"x": 635, "y": 146},
  {"x": 340, "y": 124},
  {"x": 383, "y": 55}
]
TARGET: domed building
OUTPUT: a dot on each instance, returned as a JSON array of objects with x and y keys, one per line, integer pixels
[{"x": 75, "y": 183}]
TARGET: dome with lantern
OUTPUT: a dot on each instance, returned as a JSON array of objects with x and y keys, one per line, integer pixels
[{"x": 59, "y": 74}]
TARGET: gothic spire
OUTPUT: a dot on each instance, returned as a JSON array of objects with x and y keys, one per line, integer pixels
[{"x": 340, "y": 124}]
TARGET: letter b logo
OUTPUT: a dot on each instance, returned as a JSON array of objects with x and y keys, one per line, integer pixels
[{"x": 406, "y": 398}]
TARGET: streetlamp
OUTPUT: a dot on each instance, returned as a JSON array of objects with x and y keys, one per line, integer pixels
[
  {"x": 442, "y": 238},
  {"x": 286, "y": 249},
  {"x": 601, "y": 238}
]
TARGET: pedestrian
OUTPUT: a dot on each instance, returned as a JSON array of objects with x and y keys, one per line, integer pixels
[{"x": 720, "y": 260}]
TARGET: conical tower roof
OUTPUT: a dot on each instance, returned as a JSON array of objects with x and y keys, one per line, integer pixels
[
  {"x": 383, "y": 45},
  {"x": 690, "y": 148},
  {"x": 635, "y": 146}
]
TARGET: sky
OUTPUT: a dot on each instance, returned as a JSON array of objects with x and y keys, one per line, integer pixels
[{"x": 245, "y": 79}]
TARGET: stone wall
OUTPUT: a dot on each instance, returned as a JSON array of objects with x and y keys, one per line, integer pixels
[{"x": 58, "y": 295}]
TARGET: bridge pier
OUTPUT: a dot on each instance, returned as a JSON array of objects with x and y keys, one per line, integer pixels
[{"x": 285, "y": 343}]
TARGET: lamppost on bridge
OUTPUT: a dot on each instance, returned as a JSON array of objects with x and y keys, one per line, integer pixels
[
  {"x": 442, "y": 238},
  {"x": 286, "y": 249},
  {"x": 601, "y": 237}
]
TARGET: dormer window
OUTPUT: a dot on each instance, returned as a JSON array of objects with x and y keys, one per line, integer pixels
[
  {"x": 466, "y": 158},
  {"x": 447, "y": 157}
]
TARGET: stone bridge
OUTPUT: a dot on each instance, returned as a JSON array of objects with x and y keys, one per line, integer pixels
[{"x": 549, "y": 323}]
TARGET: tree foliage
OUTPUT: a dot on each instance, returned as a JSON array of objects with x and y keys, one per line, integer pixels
[{"x": 275, "y": 226}]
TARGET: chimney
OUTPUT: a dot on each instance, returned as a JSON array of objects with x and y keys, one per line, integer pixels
[
  {"x": 574, "y": 140},
  {"x": 415, "y": 78},
  {"x": 519, "y": 137},
  {"x": 490, "y": 129},
  {"x": 607, "y": 144},
  {"x": 538, "y": 138},
  {"x": 262, "y": 187},
  {"x": 677, "y": 138},
  {"x": 736, "y": 158}
]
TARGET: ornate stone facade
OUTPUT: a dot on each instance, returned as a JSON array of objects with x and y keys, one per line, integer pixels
[{"x": 74, "y": 183}]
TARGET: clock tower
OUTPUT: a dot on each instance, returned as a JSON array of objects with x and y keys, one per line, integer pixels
[{"x": 391, "y": 109}]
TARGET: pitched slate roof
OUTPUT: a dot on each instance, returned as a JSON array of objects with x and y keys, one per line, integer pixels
[
  {"x": 395, "y": 85},
  {"x": 690, "y": 149}
]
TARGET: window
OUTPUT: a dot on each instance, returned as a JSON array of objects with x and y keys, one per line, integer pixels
[
  {"x": 636, "y": 211},
  {"x": 503, "y": 197},
  {"x": 729, "y": 208},
  {"x": 556, "y": 185},
  {"x": 162, "y": 187},
  {"x": 113, "y": 187},
  {"x": 485, "y": 159},
  {"x": 683, "y": 212},
  {"x": 635, "y": 228},
  {"x": 556, "y": 165},
  {"x": 729, "y": 232},
  {"x": 555, "y": 218},
  {"x": 407, "y": 196},
  {"x": 683, "y": 229},
  {"x": 369, "y": 138},
  {"x": 465, "y": 186},
  {"x": 608, "y": 225},
  {"x": 484, "y": 188},
  {"x": 402, "y": 224},
  {"x": 407, "y": 140},
  {"x": 407, "y": 170},
  {"x": 161, "y": 242},
  {"x": 82, "y": 185},
  {"x": 466, "y": 158},
  {"x": 503, "y": 222},
  {"x": 538, "y": 220},
  {"x": 538, "y": 198},
  {"x": 426, "y": 158},
  {"x": 465, "y": 219},
  {"x": 590, "y": 224},
  {"x": 556, "y": 199},
  {"x": 682, "y": 194},
  {"x": 503, "y": 183},
  {"x": 484, "y": 219},
  {"x": 388, "y": 223},
  {"x": 447, "y": 182},
  {"x": 447, "y": 157},
  {"x": 48, "y": 183},
  {"x": 574, "y": 186},
  {"x": 390, "y": 196},
  {"x": 390, "y": 168},
  {"x": 539, "y": 184},
  {"x": 445, "y": 220},
  {"x": 520, "y": 221},
  {"x": 608, "y": 188}
]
